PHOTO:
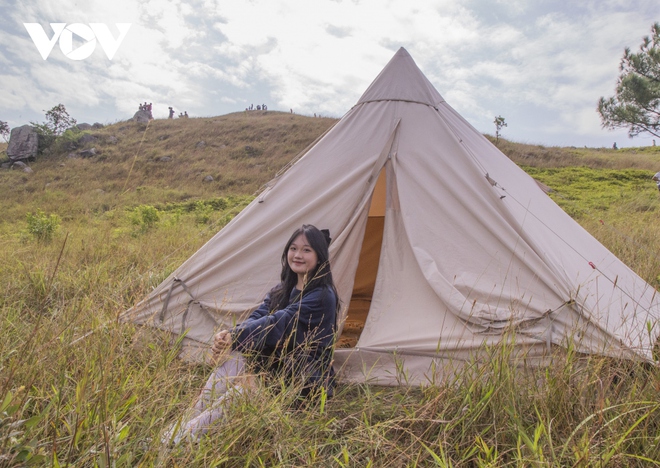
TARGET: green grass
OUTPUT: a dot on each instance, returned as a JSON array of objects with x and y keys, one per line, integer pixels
[{"x": 77, "y": 388}]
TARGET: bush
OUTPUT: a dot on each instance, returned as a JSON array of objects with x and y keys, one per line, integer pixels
[
  {"x": 145, "y": 217},
  {"x": 4, "y": 130},
  {"x": 203, "y": 212},
  {"x": 42, "y": 226}
]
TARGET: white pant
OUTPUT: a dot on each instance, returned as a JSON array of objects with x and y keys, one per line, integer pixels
[{"x": 210, "y": 406}]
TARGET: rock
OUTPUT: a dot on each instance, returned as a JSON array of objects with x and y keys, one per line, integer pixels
[
  {"x": 5, "y": 165},
  {"x": 163, "y": 159},
  {"x": 69, "y": 146},
  {"x": 23, "y": 143},
  {"x": 86, "y": 138},
  {"x": 112, "y": 139},
  {"x": 97, "y": 125},
  {"x": 84, "y": 126},
  {"x": 142, "y": 116},
  {"x": 208, "y": 178},
  {"x": 21, "y": 165},
  {"x": 88, "y": 153},
  {"x": 163, "y": 137},
  {"x": 252, "y": 151},
  {"x": 98, "y": 190},
  {"x": 200, "y": 144},
  {"x": 72, "y": 156}
]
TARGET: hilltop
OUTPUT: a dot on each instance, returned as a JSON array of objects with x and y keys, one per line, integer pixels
[{"x": 168, "y": 160}]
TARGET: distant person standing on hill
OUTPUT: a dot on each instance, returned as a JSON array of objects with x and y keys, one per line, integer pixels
[
  {"x": 171, "y": 113},
  {"x": 656, "y": 178}
]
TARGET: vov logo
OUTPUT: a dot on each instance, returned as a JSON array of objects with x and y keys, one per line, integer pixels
[{"x": 92, "y": 33}]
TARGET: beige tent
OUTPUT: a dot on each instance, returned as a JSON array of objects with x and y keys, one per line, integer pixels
[{"x": 441, "y": 246}]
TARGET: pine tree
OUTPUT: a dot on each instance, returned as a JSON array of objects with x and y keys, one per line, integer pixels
[{"x": 637, "y": 101}]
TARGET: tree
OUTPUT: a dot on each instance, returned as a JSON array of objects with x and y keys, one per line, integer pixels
[
  {"x": 57, "y": 121},
  {"x": 4, "y": 130},
  {"x": 637, "y": 101},
  {"x": 499, "y": 125}
]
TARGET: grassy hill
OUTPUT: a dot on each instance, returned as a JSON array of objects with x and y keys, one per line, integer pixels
[
  {"x": 166, "y": 161},
  {"x": 84, "y": 239}
]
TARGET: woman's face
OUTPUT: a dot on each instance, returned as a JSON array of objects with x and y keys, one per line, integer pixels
[{"x": 301, "y": 257}]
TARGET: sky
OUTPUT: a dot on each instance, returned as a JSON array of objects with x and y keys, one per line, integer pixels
[{"x": 542, "y": 64}]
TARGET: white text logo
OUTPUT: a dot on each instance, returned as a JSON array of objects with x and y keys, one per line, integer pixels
[{"x": 90, "y": 34}]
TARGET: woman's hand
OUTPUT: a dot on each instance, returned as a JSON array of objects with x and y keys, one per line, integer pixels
[{"x": 221, "y": 342}]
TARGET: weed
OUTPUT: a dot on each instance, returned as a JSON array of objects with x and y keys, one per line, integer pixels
[
  {"x": 41, "y": 226},
  {"x": 144, "y": 217}
]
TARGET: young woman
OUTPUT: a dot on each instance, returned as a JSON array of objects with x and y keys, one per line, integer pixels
[{"x": 289, "y": 336}]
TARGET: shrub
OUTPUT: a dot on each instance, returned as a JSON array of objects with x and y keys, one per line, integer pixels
[
  {"x": 4, "y": 130},
  {"x": 203, "y": 212},
  {"x": 42, "y": 226},
  {"x": 145, "y": 217}
]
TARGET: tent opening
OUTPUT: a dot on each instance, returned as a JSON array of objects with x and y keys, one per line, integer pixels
[{"x": 367, "y": 269}]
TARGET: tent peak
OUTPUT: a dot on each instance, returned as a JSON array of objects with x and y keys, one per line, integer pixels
[{"x": 402, "y": 80}]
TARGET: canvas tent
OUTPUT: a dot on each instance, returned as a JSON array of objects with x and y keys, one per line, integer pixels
[{"x": 441, "y": 245}]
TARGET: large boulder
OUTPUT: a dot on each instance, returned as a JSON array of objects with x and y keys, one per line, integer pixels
[
  {"x": 84, "y": 126},
  {"x": 23, "y": 143},
  {"x": 86, "y": 138},
  {"x": 142, "y": 116}
]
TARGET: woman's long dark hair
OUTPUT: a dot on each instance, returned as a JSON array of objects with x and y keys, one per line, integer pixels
[{"x": 319, "y": 276}]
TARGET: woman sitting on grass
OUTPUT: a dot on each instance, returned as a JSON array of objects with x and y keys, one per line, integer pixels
[{"x": 289, "y": 336}]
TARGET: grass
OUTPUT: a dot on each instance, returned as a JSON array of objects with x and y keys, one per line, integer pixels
[{"x": 77, "y": 388}]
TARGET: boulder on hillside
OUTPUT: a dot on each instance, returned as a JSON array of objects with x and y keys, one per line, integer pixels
[
  {"x": 88, "y": 153},
  {"x": 97, "y": 125},
  {"x": 23, "y": 143},
  {"x": 142, "y": 116},
  {"x": 86, "y": 138},
  {"x": 22, "y": 166},
  {"x": 84, "y": 126}
]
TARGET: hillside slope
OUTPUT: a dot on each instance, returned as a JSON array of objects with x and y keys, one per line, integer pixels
[{"x": 168, "y": 161}]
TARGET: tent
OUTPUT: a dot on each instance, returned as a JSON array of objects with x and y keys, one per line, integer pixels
[{"x": 441, "y": 248}]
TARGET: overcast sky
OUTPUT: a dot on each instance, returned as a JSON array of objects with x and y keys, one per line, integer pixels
[{"x": 542, "y": 64}]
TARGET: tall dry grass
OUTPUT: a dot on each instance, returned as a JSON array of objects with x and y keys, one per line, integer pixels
[
  {"x": 77, "y": 388},
  {"x": 647, "y": 158}
]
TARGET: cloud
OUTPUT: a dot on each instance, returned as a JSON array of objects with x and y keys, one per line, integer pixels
[
  {"x": 338, "y": 31},
  {"x": 531, "y": 62}
]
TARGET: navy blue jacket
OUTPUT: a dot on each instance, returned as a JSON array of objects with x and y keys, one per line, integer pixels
[{"x": 295, "y": 342}]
